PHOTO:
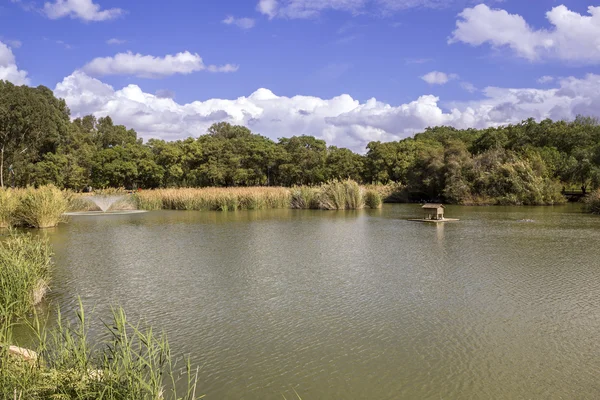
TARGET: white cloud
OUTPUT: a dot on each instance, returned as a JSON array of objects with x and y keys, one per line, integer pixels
[
  {"x": 546, "y": 79},
  {"x": 312, "y": 8},
  {"x": 573, "y": 37},
  {"x": 85, "y": 10},
  {"x": 468, "y": 86},
  {"x": 341, "y": 120},
  {"x": 116, "y": 41},
  {"x": 438, "y": 78},
  {"x": 8, "y": 67},
  {"x": 242, "y": 23},
  {"x": 146, "y": 66},
  {"x": 268, "y": 7}
]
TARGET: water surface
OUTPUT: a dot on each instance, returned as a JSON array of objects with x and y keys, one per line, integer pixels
[{"x": 354, "y": 305}]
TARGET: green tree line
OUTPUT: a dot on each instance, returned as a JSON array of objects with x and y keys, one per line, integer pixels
[{"x": 526, "y": 163}]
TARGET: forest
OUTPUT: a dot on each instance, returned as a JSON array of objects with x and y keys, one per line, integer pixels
[{"x": 526, "y": 163}]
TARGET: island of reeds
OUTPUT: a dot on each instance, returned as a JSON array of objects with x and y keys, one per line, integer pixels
[{"x": 530, "y": 163}]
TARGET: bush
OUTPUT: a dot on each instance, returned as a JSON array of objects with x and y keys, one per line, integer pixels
[
  {"x": 592, "y": 202},
  {"x": 41, "y": 208}
]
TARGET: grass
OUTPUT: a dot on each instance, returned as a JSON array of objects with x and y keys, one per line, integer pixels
[
  {"x": 213, "y": 199},
  {"x": 336, "y": 195},
  {"x": 131, "y": 362},
  {"x": 25, "y": 266},
  {"x": 8, "y": 205},
  {"x": 42, "y": 207}
]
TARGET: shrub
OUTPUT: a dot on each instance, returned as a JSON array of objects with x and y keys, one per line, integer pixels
[
  {"x": 592, "y": 202},
  {"x": 41, "y": 208}
]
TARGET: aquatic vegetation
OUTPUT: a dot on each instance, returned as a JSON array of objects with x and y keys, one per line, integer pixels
[
  {"x": 373, "y": 199},
  {"x": 25, "y": 265},
  {"x": 304, "y": 197},
  {"x": 42, "y": 207},
  {"x": 131, "y": 362},
  {"x": 8, "y": 205},
  {"x": 341, "y": 195},
  {"x": 592, "y": 202},
  {"x": 213, "y": 199}
]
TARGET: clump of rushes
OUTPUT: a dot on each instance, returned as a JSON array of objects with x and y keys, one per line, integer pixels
[
  {"x": 373, "y": 199},
  {"x": 131, "y": 362},
  {"x": 341, "y": 195},
  {"x": 304, "y": 197},
  {"x": 42, "y": 207},
  {"x": 592, "y": 202},
  {"x": 25, "y": 265},
  {"x": 8, "y": 205}
]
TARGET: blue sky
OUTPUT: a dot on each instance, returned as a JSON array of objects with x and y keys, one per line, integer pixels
[{"x": 321, "y": 64}]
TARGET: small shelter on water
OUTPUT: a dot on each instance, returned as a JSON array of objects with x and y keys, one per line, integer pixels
[{"x": 433, "y": 212}]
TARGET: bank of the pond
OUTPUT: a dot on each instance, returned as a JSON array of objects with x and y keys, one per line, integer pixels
[{"x": 132, "y": 362}]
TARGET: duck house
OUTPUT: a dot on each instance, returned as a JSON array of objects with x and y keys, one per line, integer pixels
[{"x": 433, "y": 212}]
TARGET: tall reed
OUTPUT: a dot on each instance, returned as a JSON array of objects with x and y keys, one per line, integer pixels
[
  {"x": 341, "y": 195},
  {"x": 25, "y": 265},
  {"x": 373, "y": 199},
  {"x": 213, "y": 199},
  {"x": 8, "y": 205},
  {"x": 305, "y": 197},
  {"x": 131, "y": 362},
  {"x": 42, "y": 207}
]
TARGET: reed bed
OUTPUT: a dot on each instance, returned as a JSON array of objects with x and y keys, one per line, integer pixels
[
  {"x": 42, "y": 207},
  {"x": 336, "y": 195},
  {"x": 25, "y": 266},
  {"x": 213, "y": 199},
  {"x": 132, "y": 362},
  {"x": 8, "y": 205}
]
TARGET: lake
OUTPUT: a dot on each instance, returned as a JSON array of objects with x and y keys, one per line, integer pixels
[{"x": 356, "y": 304}]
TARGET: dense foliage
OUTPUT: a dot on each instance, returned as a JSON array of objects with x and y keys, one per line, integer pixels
[{"x": 526, "y": 163}]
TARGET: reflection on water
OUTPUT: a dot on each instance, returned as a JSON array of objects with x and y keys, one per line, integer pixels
[{"x": 354, "y": 304}]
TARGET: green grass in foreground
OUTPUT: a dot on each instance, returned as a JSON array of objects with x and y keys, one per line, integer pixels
[{"x": 132, "y": 362}]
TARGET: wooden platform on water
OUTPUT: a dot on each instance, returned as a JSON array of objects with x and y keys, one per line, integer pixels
[{"x": 435, "y": 220}]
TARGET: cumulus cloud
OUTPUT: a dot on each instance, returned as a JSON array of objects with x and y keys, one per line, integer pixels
[
  {"x": 146, "y": 66},
  {"x": 312, "y": 8},
  {"x": 242, "y": 23},
  {"x": 341, "y": 120},
  {"x": 573, "y": 37},
  {"x": 546, "y": 79},
  {"x": 85, "y": 10},
  {"x": 438, "y": 78},
  {"x": 8, "y": 67}
]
